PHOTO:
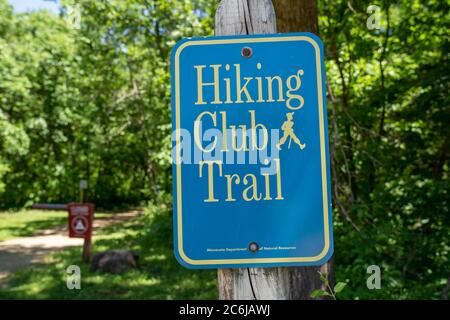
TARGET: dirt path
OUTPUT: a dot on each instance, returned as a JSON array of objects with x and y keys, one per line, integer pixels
[{"x": 21, "y": 252}]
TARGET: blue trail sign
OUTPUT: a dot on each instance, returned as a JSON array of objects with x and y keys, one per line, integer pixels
[{"x": 251, "y": 177}]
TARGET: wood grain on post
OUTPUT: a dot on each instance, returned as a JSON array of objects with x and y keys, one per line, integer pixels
[
  {"x": 86, "y": 250},
  {"x": 236, "y": 17}
]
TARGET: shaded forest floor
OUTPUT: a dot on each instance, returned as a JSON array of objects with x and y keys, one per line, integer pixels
[
  {"x": 20, "y": 252},
  {"x": 159, "y": 275}
]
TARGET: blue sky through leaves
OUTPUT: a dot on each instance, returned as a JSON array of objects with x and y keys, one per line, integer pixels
[{"x": 32, "y": 5}]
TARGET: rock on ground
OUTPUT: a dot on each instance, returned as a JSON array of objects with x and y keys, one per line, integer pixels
[{"x": 114, "y": 261}]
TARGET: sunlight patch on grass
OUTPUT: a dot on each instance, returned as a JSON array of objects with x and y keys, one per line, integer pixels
[
  {"x": 27, "y": 222},
  {"x": 159, "y": 275}
]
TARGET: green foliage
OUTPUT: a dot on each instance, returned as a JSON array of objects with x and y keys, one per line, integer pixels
[
  {"x": 320, "y": 294},
  {"x": 90, "y": 100},
  {"x": 339, "y": 287},
  {"x": 389, "y": 116},
  {"x": 329, "y": 292}
]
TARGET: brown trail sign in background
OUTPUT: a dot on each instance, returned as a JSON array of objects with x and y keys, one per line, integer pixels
[
  {"x": 235, "y": 17},
  {"x": 81, "y": 216}
]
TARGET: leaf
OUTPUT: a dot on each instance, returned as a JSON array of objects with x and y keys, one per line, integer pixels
[
  {"x": 323, "y": 278},
  {"x": 339, "y": 287},
  {"x": 319, "y": 293}
]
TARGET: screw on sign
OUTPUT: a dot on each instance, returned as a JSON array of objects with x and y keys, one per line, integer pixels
[{"x": 80, "y": 220}]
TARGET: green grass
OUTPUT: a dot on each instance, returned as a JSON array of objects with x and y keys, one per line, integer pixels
[
  {"x": 159, "y": 275},
  {"x": 27, "y": 222}
]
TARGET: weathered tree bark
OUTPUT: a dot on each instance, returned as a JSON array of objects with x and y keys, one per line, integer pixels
[
  {"x": 234, "y": 17},
  {"x": 296, "y": 15}
]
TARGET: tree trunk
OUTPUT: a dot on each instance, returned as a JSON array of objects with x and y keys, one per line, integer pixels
[
  {"x": 286, "y": 283},
  {"x": 296, "y": 15}
]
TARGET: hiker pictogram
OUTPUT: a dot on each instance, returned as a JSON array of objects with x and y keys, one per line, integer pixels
[
  {"x": 79, "y": 226},
  {"x": 288, "y": 132}
]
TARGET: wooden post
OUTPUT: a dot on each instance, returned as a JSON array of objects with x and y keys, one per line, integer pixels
[
  {"x": 87, "y": 250},
  {"x": 83, "y": 185},
  {"x": 296, "y": 15},
  {"x": 234, "y": 17},
  {"x": 86, "y": 255}
]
